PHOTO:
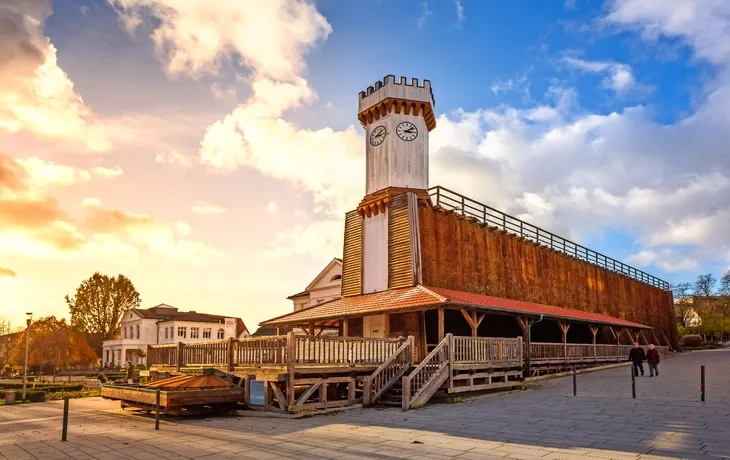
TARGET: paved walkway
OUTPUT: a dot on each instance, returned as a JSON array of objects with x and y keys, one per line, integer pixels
[{"x": 603, "y": 421}]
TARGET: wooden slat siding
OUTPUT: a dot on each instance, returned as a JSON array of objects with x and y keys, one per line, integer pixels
[
  {"x": 352, "y": 255},
  {"x": 400, "y": 261},
  {"x": 415, "y": 236},
  {"x": 344, "y": 350}
]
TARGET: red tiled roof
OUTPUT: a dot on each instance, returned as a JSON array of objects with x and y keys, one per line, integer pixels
[
  {"x": 423, "y": 296},
  {"x": 529, "y": 308}
]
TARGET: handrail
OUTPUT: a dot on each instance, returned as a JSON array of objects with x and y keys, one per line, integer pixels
[
  {"x": 388, "y": 373},
  {"x": 449, "y": 199},
  {"x": 426, "y": 372}
]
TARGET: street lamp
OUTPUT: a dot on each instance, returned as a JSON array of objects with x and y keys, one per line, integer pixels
[{"x": 25, "y": 366}]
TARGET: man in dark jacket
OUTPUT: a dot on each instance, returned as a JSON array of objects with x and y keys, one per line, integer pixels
[
  {"x": 637, "y": 357},
  {"x": 652, "y": 359}
]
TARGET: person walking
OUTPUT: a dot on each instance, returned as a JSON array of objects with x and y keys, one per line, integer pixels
[
  {"x": 652, "y": 359},
  {"x": 637, "y": 357}
]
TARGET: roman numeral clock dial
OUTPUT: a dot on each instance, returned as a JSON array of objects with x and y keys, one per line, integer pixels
[
  {"x": 406, "y": 131},
  {"x": 377, "y": 136}
]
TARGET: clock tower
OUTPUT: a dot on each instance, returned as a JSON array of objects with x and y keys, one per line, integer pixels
[{"x": 397, "y": 116}]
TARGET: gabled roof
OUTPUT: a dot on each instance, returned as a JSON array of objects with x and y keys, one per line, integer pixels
[
  {"x": 418, "y": 297},
  {"x": 332, "y": 263},
  {"x": 166, "y": 312}
]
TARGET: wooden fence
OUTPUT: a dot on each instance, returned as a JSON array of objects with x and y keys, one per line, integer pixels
[
  {"x": 547, "y": 353},
  {"x": 486, "y": 350}
]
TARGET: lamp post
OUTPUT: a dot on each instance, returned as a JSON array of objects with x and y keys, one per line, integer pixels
[{"x": 25, "y": 366}]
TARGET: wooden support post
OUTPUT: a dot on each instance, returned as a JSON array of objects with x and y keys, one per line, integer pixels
[
  {"x": 441, "y": 334},
  {"x": 247, "y": 391},
  {"x": 351, "y": 391},
  {"x": 613, "y": 333},
  {"x": 646, "y": 342},
  {"x": 179, "y": 359},
  {"x": 323, "y": 392},
  {"x": 267, "y": 395},
  {"x": 230, "y": 349},
  {"x": 291, "y": 352},
  {"x": 148, "y": 353},
  {"x": 345, "y": 328},
  {"x": 594, "y": 331},
  {"x": 278, "y": 330},
  {"x": 386, "y": 327},
  {"x": 451, "y": 360},
  {"x": 311, "y": 328},
  {"x": 564, "y": 326},
  {"x": 471, "y": 320},
  {"x": 669, "y": 344},
  {"x": 525, "y": 323}
]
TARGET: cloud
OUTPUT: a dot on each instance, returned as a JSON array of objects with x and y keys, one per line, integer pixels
[
  {"x": 174, "y": 158},
  {"x": 666, "y": 259},
  {"x": 620, "y": 76},
  {"x": 143, "y": 229},
  {"x": 272, "y": 207},
  {"x": 460, "y": 16},
  {"x": 501, "y": 86},
  {"x": 35, "y": 94},
  {"x": 84, "y": 10},
  {"x": 205, "y": 208},
  {"x": 107, "y": 173},
  {"x": 32, "y": 223},
  {"x": 320, "y": 240},
  {"x": 7, "y": 273},
  {"x": 425, "y": 13},
  {"x": 197, "y": 37}
]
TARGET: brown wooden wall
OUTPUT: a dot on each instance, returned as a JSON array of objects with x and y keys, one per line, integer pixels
[{"x": 464, "y": 255}]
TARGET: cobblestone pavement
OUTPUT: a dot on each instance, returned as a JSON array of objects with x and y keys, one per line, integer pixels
[{"x": 666, "y": 420}]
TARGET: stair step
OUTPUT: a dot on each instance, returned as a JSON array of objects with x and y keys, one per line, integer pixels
[{"x": 385, "y": 402}]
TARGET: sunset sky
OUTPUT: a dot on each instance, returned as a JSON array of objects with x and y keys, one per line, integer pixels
[{"x": 208, "y": 149}]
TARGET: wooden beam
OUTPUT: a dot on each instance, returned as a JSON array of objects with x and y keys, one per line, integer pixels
[
  {"x": 311, "y": 328},
  {"x": 345, "y": 327},
  {"x": 441, "y": 333},
  {"x": 310, "y": 391},
  {"x": 280, "y": 398},
  {"x": 386, "y": 328},
  {"x": 655, "y": 337},
  {"x": 471, "y": 320},
  {"x": 480, "y": 318},
  {"x": 643, "y": 337},
  {"x": 594, "y": 331}
]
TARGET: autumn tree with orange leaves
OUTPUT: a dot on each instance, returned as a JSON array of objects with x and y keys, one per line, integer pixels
[{"x": 54, "y": 342}]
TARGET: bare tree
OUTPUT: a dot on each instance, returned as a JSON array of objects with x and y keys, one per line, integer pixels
[
  {"x": 705, "y": 284},
  {"x": 683, "y": 296},
  {"x": 724, "y": 288}
]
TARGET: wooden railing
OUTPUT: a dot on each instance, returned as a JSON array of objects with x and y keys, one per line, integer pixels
[
  {"x": 344, "y": 350},
  {"x": 578, "y": 352},
  {"x": 206, "y": 353},
  {"x": 163, "y": 355},
  {"x": 486, "y": 350},
  {"x": 448, "y": 199},
  {"x": 427, "y": 376},
  {"x": 260, "y": 350},
  {"x": 275, "y": 350},
  {"x": 388, "y": 373}
]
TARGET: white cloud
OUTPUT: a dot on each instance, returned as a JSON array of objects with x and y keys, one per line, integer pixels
[
  {"x": 666, "y": 259},
  {"x": 460, "y": 16},
  {"x": 174, "y": 158},
  {"x": 108, "y": 173},
  {"x": 36, "y": 95},
  {"x": 272, "y": 207},
  {"x": 320, "y": 240},
  {"x": 205, "y": 208},
  {"x": 197, "y": 37},
  {"x": 425, "y": 13},
  {"x": 501, "y": 86},
  {"x": 43, "y": 173},
  {"x": 620, "y": 76}
]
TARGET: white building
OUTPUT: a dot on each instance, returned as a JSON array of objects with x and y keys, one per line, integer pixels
[
  {"x": 325, "y": 287},
  {"x": 164, "y": 324}
]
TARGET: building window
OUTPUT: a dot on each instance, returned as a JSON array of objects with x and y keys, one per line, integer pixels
[
  {"x": 194, "y": 332},
  {"x": 221, "y": 334},
  {"x": 166, "y": 333},
  {"x": 125, "y": 332},
  {"x": 206, "y": 332},
  {"x": 336, "y": 277},
  {"x": 182, "y": 332},
  {"x": 138, "y": 331}
]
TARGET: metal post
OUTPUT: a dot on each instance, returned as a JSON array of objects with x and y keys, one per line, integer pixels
[
  {"x": 702, "y": 383},
  {"x": 25, "y": 365},
  {"x": 633, "y": 382},
  {"x": 575, "y": 383},
  {"x": 157, "y": 410},
  {"x": 65, "y": 418}
]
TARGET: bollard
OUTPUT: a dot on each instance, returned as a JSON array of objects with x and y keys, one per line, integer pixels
[
  {"x": 702, "y": 383},
  {"x": 157, "y": 410},
  {"x": 64, "y": 432},
  {"x": 633, "y": 382},
  {"x": 575, "y": 383}
]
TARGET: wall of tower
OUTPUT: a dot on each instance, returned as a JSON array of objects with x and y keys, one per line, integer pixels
[
  {"x": 459, "y": 254},
  {"x": 397, "y": 163}
]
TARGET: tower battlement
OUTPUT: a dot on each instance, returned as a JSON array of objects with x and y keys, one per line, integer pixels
[{"x": 400, "y": 88}]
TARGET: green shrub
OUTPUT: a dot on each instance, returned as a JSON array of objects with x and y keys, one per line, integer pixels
[
  {"x": 72, "y": 394},
  {"x": 31, "y": 395},
  {"x": 47, "y": 387},
  {"x": 692, "y": 340}
]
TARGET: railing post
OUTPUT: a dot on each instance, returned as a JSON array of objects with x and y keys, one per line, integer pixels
[
  {"x": 179, "y": 360},
  {"x": 406, "y": 397},
  {"x": 367, "y": 390},
  {"x": 411, "y": 354},
  {"x": 291, "y": 352},
  {"x": 230, "y": 353},
  {"x": 450, "y": 355}
]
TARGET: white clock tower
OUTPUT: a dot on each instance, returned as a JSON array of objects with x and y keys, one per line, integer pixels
[{"x": 397, "y": 117}]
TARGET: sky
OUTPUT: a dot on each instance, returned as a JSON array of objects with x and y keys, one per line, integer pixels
[{"x": 208, "y": 150}]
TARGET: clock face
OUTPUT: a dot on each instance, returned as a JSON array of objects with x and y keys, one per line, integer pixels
[
  {"x": 406, "y": 131},
  {"x": 377, "y": 136}
]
